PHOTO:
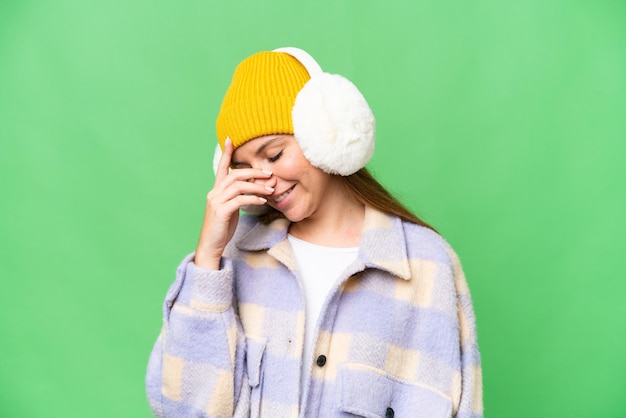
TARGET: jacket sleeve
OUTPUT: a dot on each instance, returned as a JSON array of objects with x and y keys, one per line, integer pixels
[
  {"x": 470, "y": 399},
  {"x": 196, "y": 366}
]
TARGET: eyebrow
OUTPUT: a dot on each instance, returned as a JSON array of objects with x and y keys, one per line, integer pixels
[{"x": 259, "y": 150}]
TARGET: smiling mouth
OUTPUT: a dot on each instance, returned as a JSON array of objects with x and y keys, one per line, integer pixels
[{"x": 283, "y": 195}]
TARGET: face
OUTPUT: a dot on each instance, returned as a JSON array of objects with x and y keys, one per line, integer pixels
[{"x": 299, "y": 188}]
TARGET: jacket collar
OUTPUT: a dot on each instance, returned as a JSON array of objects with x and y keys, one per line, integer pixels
[{"x": 382, "y": 245}]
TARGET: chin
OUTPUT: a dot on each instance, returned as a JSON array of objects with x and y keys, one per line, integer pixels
[{"x": 294, "y": 216}]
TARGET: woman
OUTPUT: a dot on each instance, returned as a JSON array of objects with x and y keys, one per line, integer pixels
[{"x": 327, "y": 299}]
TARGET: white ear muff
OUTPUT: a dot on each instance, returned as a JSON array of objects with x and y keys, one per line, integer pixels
[
  {"x": 332, "y": 121},
  {"x": 334, "y": 125}
]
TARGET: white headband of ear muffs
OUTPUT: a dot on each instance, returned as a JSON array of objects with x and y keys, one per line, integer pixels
[{"x": 332, "y": 122}]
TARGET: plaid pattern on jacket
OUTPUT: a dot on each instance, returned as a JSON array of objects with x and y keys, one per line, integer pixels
[{"x": 396, "y": 335}]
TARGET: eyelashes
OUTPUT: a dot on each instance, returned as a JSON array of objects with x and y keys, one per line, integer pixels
[
  {"x": 236, "y": 165},
  {"x": 276, "y": 157}
]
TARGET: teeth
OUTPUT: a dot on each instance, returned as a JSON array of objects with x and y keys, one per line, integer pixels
[{"x": 282, "y": 196}]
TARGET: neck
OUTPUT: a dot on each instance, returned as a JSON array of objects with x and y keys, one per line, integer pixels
[{"x": 337, "y": 223}]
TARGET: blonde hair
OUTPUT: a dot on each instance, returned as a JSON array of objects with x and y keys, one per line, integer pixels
[{"x": 365, "y": 189}]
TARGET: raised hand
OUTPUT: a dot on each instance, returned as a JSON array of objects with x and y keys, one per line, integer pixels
[{"x": 232, "y": 190}]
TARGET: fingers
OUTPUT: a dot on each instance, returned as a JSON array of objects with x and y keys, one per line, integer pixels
[
  {"x": 247, "y": 174},
  {"x": 243, "y": 174},
  {"x": 235, "y": 189},
  {"x": 233, "y": 205},
  {"x": 241, "y": 181},
  {"x": 224, "y": 163}
]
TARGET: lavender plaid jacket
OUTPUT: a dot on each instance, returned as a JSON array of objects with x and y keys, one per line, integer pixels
[{"x": 396, "y": 336}]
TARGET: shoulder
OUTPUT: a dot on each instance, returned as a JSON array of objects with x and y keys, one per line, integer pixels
[
  {"x": 425, "y": 244},
  {"x": 434, "y": 260}
]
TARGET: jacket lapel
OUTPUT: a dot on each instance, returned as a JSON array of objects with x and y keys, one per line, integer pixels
[{"x": 382, "y": 245}]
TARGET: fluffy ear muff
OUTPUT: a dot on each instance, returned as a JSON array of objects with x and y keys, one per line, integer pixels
[{"x": 334, "y": 125}]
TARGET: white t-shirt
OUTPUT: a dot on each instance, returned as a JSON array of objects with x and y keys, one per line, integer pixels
[{"x": 319, "y": 267}]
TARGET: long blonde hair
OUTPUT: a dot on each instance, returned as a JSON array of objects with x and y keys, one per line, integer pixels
[{"x": 365, "y": 189}]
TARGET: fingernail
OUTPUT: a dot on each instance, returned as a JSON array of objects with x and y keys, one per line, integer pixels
[
  {"x": 268, "y": 172},
  {"x": 262, "y": 199},
  {"x": 228, "y": 140},
  {"x": 269, "y": 189}
]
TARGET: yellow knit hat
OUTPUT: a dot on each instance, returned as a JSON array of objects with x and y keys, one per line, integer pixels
[
  {"x": 261, "y": 97},
  {"x": 286, "y": 92}
]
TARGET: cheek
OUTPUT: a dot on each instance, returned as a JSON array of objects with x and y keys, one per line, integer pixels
[{"x": 293, "y": 167}]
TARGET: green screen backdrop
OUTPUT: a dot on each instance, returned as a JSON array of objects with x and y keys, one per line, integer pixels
[{"x": 502, "y": 123}]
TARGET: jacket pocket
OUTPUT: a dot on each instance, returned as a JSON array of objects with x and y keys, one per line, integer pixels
[
  {"x": 364, "y": 391},
  {"x": 255, "y": 348}
]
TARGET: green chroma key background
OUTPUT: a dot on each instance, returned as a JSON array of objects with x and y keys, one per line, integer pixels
[{"x": 503, "y": 123}]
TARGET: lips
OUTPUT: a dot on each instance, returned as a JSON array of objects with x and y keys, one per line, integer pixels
[{"x": 283, "y": 195}]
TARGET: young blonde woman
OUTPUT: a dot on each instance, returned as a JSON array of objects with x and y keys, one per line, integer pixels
[{"x": 325, "y": 297}]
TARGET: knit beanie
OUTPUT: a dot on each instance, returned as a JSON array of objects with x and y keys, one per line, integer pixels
[{"x": 286, "y": 92}]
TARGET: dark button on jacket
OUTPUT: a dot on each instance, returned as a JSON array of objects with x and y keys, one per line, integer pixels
[{"x": 321, "y": 360}]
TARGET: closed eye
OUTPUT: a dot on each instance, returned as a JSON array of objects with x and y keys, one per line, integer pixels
[{"x": 276, "y": 157}]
